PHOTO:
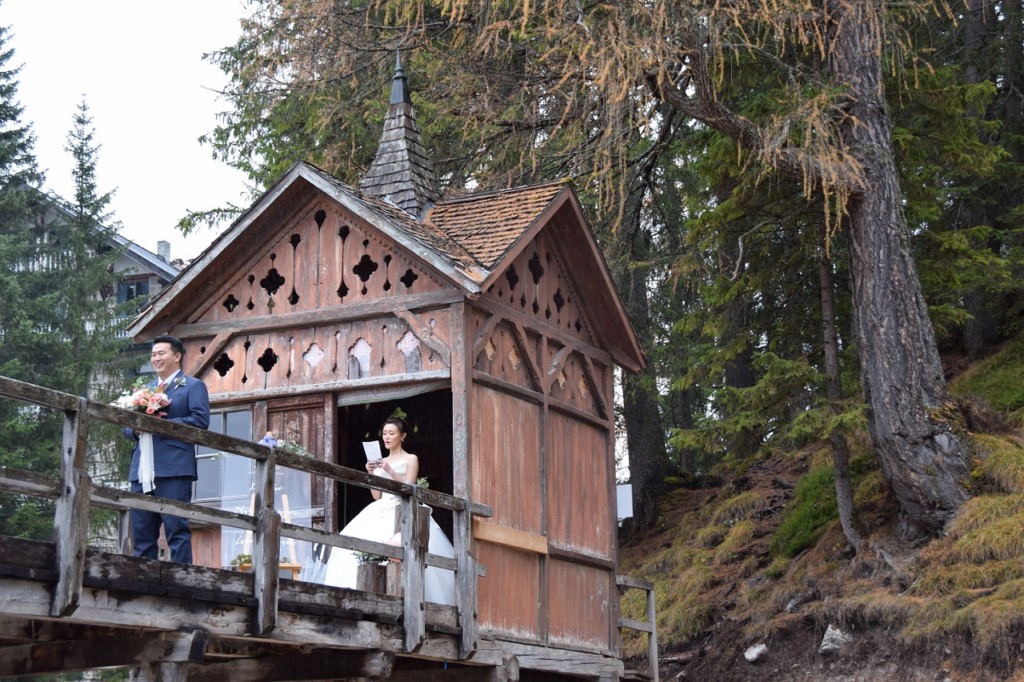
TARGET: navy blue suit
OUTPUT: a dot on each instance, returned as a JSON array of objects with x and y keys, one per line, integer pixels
[{"x": 174, "y": 464}]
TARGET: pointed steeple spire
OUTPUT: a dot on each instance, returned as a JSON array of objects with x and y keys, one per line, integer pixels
[{"x": 401, "y": 171}]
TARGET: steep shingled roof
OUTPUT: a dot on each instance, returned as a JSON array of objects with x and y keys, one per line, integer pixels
[
  {"x": 401, "y": 171},
  {"x": 487, "y": 225}
]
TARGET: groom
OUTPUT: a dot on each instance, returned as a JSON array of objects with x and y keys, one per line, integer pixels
[{"x": 172, "y": 468}]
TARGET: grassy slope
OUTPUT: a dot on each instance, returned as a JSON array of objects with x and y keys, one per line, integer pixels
[{"x": 759, "y": 557}]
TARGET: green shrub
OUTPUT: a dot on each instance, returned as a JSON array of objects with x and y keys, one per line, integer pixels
[{"x": 812, "y": 509}]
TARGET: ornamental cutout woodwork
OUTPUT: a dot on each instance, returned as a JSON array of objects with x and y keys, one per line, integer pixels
[
  {"x": 359, "y": 359},
  {"x": 327, "y": 354},
  {"x": 314, "y": 355},
  {"x": 409, "y": 345},
  {"x": 546, "y": 294},
  {"x": 324, "y": 258}
]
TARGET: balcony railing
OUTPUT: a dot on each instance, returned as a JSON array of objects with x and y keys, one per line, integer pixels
[{"x": 75, "y": 493}]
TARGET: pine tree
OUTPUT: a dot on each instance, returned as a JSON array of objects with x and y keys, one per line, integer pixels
[
  {"x": 87, "y": 234},
  {"x": 29, "y": 438}
]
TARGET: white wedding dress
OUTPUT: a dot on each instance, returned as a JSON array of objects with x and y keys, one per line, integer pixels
[{"x": 377, "y": 522}]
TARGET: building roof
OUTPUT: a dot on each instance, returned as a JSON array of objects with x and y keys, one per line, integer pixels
[
  {"x": 468, "y": 241},
  {"x": 148, "y": 261},
  {"x": 487, "y": 225}
]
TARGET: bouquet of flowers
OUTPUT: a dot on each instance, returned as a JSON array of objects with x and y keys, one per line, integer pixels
[{"x": 144, "y": 399}]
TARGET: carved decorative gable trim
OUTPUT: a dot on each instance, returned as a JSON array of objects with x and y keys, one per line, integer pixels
[
  {"x": 537, "y": 284},
  {"x": 324, "y": 258}
]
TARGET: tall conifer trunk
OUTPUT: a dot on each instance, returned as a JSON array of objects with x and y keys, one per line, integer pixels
[{"x": 924, "y": 461}]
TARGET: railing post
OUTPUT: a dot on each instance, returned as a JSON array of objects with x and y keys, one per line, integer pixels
[
  {"x": 652, "y": 637},
  {"x": 124, "y": 532},
  {"x": 266, "y": 548},
  {"x": 465, "y": 580},
  {"x": 71, "y": 521},
  {"x": 415, "y": 535}
]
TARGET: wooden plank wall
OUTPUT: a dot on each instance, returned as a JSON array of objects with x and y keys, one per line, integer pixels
[
  {"x": 580, "y": 517},
  {"x": 506, "y": 470},
  {"x": 542, "y": 458},
  {"x": 579, "y": 512}
]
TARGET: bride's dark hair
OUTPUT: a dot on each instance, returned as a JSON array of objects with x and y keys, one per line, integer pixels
[{"x": 398, "y": 423}]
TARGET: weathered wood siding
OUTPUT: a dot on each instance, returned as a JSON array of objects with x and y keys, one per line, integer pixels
[
  {"x": 541, "y": 456},
  {"x": 580, "y": 608},
  {"x": 579, "y": 509},
  {"x": 509, "y": 596},
  {"x": 506, "y": 459},
  {"x": 581, "y": 519},
  {"x": 506, "y": 471}
]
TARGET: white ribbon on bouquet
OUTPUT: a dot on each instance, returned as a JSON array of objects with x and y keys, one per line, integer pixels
[{"x": 147, "y": 471}]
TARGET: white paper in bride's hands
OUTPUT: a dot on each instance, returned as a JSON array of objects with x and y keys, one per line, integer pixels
[{"x": 372, "y": 450}]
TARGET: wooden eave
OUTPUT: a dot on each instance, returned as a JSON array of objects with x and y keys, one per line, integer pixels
[
  {"x": 586, "y": 264},
  {"x": 300, "y": 185}
]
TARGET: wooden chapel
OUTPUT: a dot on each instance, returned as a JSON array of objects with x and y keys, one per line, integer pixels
[{"x": 490, "y": 321}]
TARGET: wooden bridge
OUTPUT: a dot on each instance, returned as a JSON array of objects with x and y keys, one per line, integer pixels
[{"x": 65, "y": 606}]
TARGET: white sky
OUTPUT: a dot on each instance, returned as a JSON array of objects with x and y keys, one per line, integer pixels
[{"x": 139, "y": 66}]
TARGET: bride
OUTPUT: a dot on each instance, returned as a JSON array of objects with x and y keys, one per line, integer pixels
[{"x": 377, "y": 521}]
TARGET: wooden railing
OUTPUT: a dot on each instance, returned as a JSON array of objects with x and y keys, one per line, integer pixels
[
  {"x": 75, "y": 493},
  {"x": 650, "y": 626}
]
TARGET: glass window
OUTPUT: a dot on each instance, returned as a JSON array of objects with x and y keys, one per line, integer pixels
[{"x": 225, "y": 480}]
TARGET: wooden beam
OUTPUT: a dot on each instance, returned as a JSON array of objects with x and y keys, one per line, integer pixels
[
  {"x": 531, "y": 356},
  {"x": 638, "y": 583},
  {"x": 575, "y": 557},
  {"x": 348, "y": 312},
  {"x": 424, "y": 333},
  {"x": 266, "y": 548},
  {"x": 210, "y": 356},
  {"x": 420, "y": 670},
  {"x": 482, "y": 335},
  {"x": 537, "y": 657},
  {"x": 595, "y": 387},
  {"x": 556, "y": 404},
  {"x": 508, "y": 387},
  {"x": 98, "y": 651},
  {"x": 544, "y": 329},
  {"x": 71, "y": 520},
  {"x": 415, "y": 529},
  {"x": 28, "y": 483},
  {"x": 37, "y": 395},
  {"x": 555, "y": 365},
  {"x": 322, "y": 664},
  {"x": 465, "y": 583},
  {"x": 370, "y": 386},
  {"x": 510, "y": 537},
  {"x": 639, "y": 625}
]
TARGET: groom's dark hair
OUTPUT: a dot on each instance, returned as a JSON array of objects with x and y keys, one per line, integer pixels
[{"x": 176, "y": 345}]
